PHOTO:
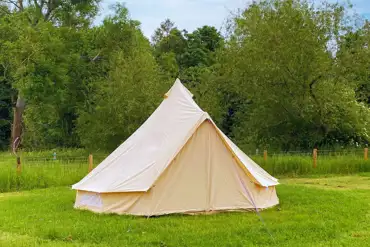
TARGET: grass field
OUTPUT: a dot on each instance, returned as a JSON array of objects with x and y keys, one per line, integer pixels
[
  {"x": 331, "y": 211},
  {"x": 298, "y": 165},
  {"x": 39, "y": 170},
  {"x": 330, "y": 208}
]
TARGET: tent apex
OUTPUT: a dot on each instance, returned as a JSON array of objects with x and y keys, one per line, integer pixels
[{"x": 179, "y": 87}]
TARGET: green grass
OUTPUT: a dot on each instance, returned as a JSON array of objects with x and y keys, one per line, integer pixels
[
  {"x": 40, "y": 171},
  {"x": 295, "y": 165},
  {"x": 333, "y": 211},
  {"x": 323, "y": 210}
]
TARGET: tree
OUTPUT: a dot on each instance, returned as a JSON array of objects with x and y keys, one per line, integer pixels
[
  {"x": 354, "y": 59},
  {"x": 61, "y": 13},
  {"x": 199, "y": 54},
  {"x": 169, "y": 44},
  {"x": 7, "y": 36},
  {"x": 185, "y": 55},
  {"x": 49, "y": 80},
  {"x": 120, "y": 102},
  {"x": 202, "y": 43},
  {"x": 163, "y": 31},
  {"x": 25, "y": 15},
  {"x": 277, "y": 81},
  {"x": 5, "y": 109}
]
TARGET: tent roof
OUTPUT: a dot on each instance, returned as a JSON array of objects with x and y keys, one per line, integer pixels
[{"x": 137, "y": 163}]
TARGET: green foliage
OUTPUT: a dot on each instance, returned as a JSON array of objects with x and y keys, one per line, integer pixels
[
  {"x": 44, "y": 81},
  {"x": 353, "y": 57},
  {"x": 201, "y": 45},
  {"x": 276, "y": 79},
  {"x": 291, "y": 74},
  {"x": 120, "y": 102},
  {"x": 5, "y": 112},
  {"x": 67, "y": 74},
  {"x": 185, "y": 55},
  {"x": 8, "y": 35},
  {"x": 40, "y": 55}
]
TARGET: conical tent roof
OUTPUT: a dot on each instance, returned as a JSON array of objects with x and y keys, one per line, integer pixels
[{"x": 138, "y": 163}]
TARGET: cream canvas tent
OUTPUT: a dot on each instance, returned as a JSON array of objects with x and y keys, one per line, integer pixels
[{"x": 178, "y": 161}]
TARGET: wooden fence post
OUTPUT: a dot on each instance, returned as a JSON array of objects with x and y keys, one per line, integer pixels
[
  {"x": 365, "y": 153},
  {"x": 90, "y": 162},
  {"x": 314, "y": 156},
  {"x": 19, "y": 166},
  {"x": 265, "y": 155}
]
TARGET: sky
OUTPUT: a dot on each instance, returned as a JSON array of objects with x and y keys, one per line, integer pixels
[{"x": 191, "y": 14}]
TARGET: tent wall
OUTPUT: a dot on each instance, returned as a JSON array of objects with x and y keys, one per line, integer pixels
[{"x": 203, "y": 177}]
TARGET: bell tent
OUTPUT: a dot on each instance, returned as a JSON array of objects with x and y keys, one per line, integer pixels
[{"x": 178, "y": 161}]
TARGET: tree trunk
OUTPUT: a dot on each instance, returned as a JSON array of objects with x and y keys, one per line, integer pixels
[
  {"x": 20, "y": 5},
  {"x": 17, "y": 122}
]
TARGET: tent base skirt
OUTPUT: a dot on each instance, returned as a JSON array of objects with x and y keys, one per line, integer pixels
[{"x": 130, "y": 204}]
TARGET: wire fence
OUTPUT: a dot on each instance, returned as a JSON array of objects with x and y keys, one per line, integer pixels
[
  {"x": 67, "y": 160},
  {"x": 63, "y": 165},
  {"x": 30, "y": 170},
  {"x": 86, "y": 163},
  {"x": 320, "y": 152},
  {"x": 80, "y": 159}
]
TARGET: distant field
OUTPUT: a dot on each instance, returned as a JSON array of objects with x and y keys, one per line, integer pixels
[
  {"x": 331, "y": 211},
  {"x": 298, "y": 165},
  {"x": 39, "y": 170}
]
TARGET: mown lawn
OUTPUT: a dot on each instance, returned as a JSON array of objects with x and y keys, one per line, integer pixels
[{"x": 331, "y": 211}]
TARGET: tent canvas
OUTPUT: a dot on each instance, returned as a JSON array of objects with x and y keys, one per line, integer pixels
[{"x": 178, "y": 161}]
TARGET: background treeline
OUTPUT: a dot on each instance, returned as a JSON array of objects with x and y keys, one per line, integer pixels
[{"x": 287, "y": 74}]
